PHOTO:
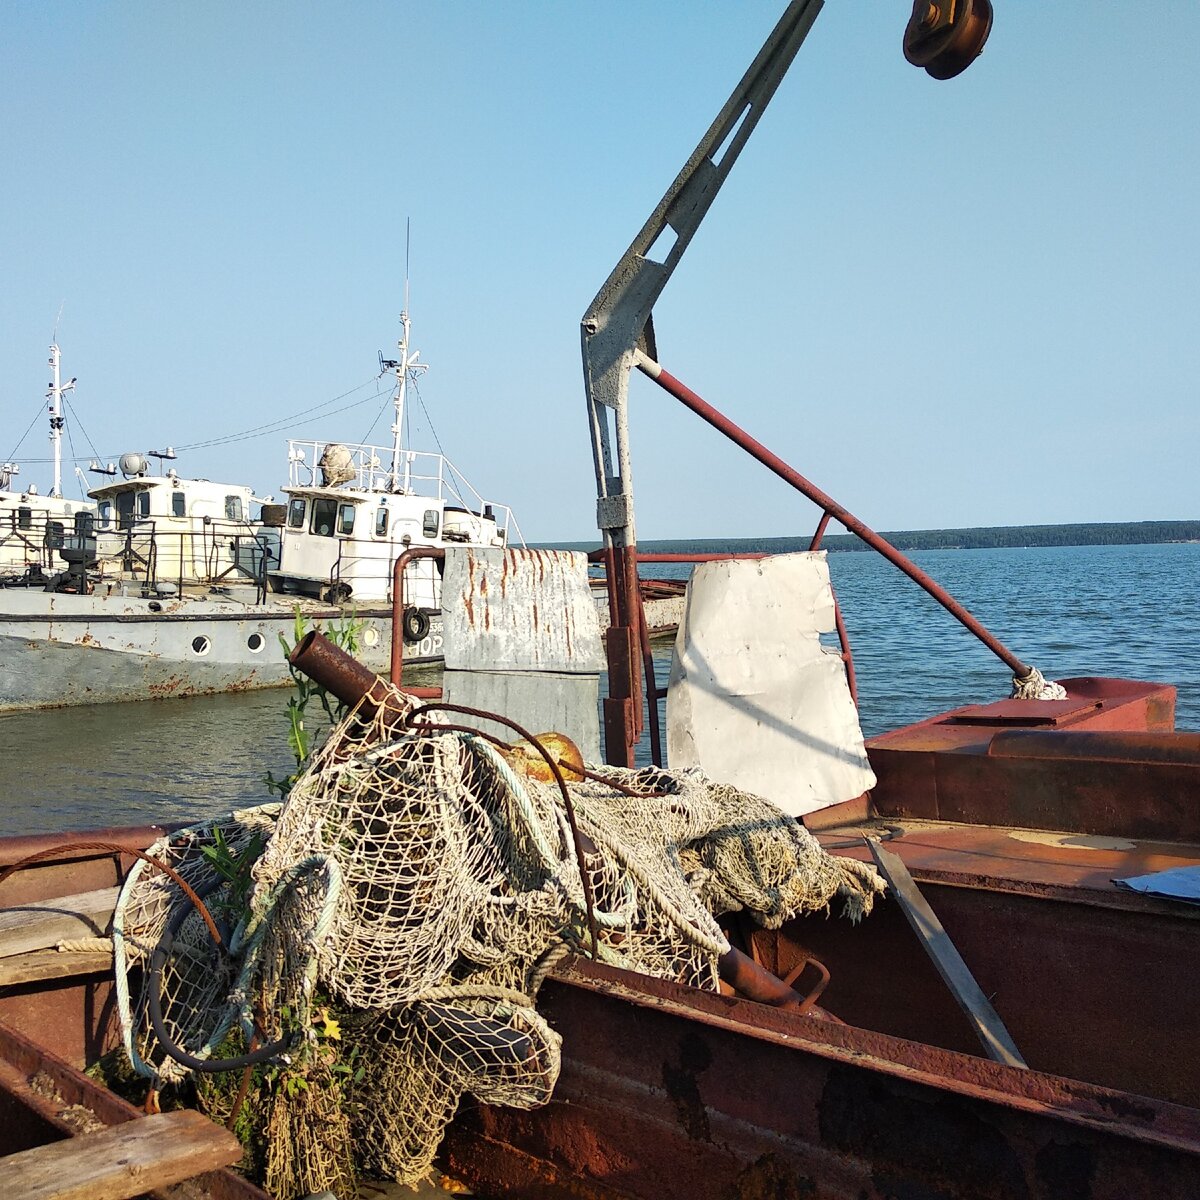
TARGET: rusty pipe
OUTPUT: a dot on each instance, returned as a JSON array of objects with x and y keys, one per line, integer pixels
[
  {"x": 348, "y": 679},
  {"x": 748, "y": 979},
  {"x": 774, "y": 463},
  {"x": 413, "y": 552}
]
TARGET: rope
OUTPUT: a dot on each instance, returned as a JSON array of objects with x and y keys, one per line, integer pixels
[{"x": 1035, "y": 686}]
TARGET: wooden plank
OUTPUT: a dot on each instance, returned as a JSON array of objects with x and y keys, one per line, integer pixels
[
  {"x": 53, "y": 964},
  {"x": 41, "y": 924},
  {"x": 936, "y": 942},
  {"x": 124, "y": 1161}
]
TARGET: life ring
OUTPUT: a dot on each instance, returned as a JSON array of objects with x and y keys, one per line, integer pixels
[{"x": 415, "y": 624}]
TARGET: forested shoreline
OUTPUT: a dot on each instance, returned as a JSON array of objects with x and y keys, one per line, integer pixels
[{"x": 1118, "y": 533}]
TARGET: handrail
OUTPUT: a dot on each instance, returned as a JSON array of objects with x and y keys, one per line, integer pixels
[{"x": 398, "y": 567}]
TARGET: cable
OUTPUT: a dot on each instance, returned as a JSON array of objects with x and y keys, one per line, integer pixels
[
  {"x": 158, "y": 960},
  {"x": 23, "y": 437}
]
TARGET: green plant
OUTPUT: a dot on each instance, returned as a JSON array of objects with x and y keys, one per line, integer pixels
[
  {"x": 345, "y": 634},
  {"x": 234, "y": 867}
]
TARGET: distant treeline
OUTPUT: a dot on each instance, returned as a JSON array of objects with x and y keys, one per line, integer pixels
[{"x": 1116, "y": 533}]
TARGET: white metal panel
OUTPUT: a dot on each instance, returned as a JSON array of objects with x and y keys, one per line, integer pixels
[
  {"x": 537, "y": 701},
  {"x": 519, "y": 610},
  {"x": 754, "y": 699}
]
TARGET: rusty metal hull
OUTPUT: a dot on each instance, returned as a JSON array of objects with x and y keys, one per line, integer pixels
[
  {"x": 91, "y": 650},
  {"x": 669, "y": 1094},
  {"x": 1015, "y": 820}
]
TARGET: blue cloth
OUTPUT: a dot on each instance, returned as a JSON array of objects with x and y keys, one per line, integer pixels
[{"x": 1179, "y": 883}]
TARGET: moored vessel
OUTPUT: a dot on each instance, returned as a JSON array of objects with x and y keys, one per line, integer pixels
[{"x": 175, "y": 587}]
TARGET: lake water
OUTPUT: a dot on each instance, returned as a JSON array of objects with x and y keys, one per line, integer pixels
[{"x": 1130, "y": 611}]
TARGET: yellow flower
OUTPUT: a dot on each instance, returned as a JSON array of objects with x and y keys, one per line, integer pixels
[{"x": 329, "y": 1027}]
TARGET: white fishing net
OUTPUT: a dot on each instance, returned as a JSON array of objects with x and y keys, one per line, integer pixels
[{"x": 423, "y": 885}]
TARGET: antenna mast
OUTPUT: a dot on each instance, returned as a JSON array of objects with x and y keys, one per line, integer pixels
[
  {"x": 54, "y": 403},
  {"x": 405, "y": 365}
]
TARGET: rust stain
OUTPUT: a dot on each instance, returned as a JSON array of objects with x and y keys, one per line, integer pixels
[
  {"x": 681, "y": 1084},
  {"x": 168, "y": 687},
  {"x": 770, "y": 1178}
]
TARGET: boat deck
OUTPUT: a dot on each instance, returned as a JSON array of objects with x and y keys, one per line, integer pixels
[{"x": 1047, "y": 863}]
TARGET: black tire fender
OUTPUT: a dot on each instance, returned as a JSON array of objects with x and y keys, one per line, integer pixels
[{"x": 415, "y": 624}]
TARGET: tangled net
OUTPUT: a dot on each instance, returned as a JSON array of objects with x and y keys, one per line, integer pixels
[{"x": 421, "y": 886}]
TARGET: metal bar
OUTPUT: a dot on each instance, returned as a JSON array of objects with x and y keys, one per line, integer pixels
[
  {"x": 772, "y": 462},
  {"x": 847, "y": 656},
  {"x": 819, "y": 533},
  {"x": 949, "y": 963},
  {"x": 413, "y": 552},
  {"x": 619, "y": 318}
]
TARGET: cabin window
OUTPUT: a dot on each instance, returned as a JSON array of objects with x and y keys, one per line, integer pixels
[
  {"x": 233, "y": 508},
  {"x": 381, "y": 523},
  {"x": 83, "y": 524},
  {"x": 105, "y": 513},
  {"x": 323, "y": 514},
  {"x": 24, "y": 517},
  {"x": 346, "y": 518},
  {"x": 432, "y": 520},
  {"x": 143, "y": 504},
  {"x": 296, "y": 513},
  {"x": 178, "y": 504},
  {"x": 125, "y": 502}
]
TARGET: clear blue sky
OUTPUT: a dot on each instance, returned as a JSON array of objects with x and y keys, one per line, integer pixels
[{"x": 949, "y": 304}]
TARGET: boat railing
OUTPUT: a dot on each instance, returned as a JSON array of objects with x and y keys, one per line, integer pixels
[
  {"x": 32, "y": 541},
  {"x": 351, "y": 571},
  {"x": 417, "y": 473},
  {"x": 207, "y": 551}
]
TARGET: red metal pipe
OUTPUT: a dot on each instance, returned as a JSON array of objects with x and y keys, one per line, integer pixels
[
  {"x": 771, "y": 461},
  {"x": 847, "y": 656},
  {"x": 819, "y": 533},
  {"x": 413, "y": 552},
  {"x": 348, "y": 679}
]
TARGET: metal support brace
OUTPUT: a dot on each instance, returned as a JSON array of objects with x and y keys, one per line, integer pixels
[{"x": 619, "y": 321}]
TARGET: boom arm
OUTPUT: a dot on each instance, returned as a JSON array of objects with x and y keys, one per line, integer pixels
[
  {"x": 618, "y": 321},
  {"x": 943, "y": 36}
]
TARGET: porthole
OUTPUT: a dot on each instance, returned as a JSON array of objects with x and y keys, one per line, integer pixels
[
  {"x": 201, "y": 646},
  {"x": 370, "y": 637},
  {"x": 255, "y": 642}
]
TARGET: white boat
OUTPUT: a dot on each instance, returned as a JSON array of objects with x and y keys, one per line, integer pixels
[
  {"x": 33, "y": 525},
  {"x": 171, "y": 589}
]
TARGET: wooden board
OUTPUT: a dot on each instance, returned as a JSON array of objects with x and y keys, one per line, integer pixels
[
  {"x": 41, "y": 924},
  {"x": 990, "y": 1030},
  {"x": 54, "y": 964},
  {"x": 124, "y": 1161}
]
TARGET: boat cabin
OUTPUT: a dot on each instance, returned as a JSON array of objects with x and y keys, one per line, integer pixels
[
  {"x": 173, "y": 530},
  {"x": 32, "y": 528},
  {"x": 348, "y": 520}
]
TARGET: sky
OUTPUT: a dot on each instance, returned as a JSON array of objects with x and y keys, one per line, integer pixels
[{"x": 947, "y": 304}]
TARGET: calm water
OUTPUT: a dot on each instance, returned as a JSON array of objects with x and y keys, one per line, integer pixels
[{"x": 1094, "y": 610}]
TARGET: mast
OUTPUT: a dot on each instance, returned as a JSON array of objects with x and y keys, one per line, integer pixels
[
  {"x": 405, "y": 366},
  {"x": 54, "y": 403},
  {"x": 402, "y": 365}
]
